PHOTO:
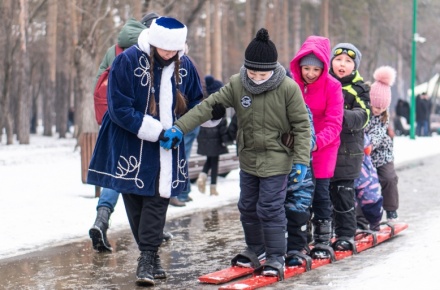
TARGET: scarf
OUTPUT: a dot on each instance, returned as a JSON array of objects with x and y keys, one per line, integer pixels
[{"x": 272, "y": 83}]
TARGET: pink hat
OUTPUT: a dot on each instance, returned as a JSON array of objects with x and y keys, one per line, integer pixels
[{"x": 380, "y": 92}]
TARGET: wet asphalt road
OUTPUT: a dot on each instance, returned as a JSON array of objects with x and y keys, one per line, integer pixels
[{"x": 204, "y": 242}]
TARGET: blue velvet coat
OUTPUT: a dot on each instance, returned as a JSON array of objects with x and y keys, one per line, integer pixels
[{"x": 127, "y": 156}]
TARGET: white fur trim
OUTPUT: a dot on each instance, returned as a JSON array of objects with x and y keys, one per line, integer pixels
[
  {"x": 166, "y": 172},
  {"x": 211, "y": 123},
  {"x": 150, "y": 129},
  {"x": 145, "y": 46},
  {"x": 167, "y": 39},
  {"x": 143, "y": 41},
  {"x": 166, "y": 118}
]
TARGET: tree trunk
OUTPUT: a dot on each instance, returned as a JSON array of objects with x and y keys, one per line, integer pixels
[
  {"x": 6, "y": 10},
  {"x": 324, "y": 18},
  {"x": 284, "y": 27},
  {"x": 63, "y": 89},
  {"x": 259, "y": 15},
  {"x": 49, "y": 99},
  {"x": 83, "y": 59},
  {"x": 217, "y": 51},
  {"x": 296, "y": 7},
  {"x": 208, "y": 61},
  {"x": 24, "y": 104}
]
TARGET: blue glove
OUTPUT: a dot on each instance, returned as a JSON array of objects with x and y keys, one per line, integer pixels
[
  {"x": 299, "y": 172},
  {"x": 174, "y": 136}
]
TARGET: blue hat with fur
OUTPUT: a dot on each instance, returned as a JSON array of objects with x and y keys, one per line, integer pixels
[{"x": 167, "y": 33}]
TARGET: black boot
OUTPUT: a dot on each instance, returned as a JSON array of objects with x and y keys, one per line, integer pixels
[
  {"x": 158, "y": 271},
  {"x": 144, "y": 272},
  {"x": 98, "y": 232},
  {"x": 322, "y": 232}
]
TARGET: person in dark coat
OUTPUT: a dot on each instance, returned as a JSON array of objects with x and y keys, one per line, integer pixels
[
  {"x": 345, "y": 62},
  {"x": 211, "y": 143},
  {"x": 423, "y": 112}
]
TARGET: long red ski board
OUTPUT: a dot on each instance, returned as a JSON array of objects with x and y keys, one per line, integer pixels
[{"x": 363, "y": 242}]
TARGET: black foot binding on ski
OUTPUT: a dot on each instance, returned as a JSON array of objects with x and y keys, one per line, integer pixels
[
  {"x": 363, "y": 233},
  {"x": 272, "y": 268},
  {"x": 323, "y": 251},
  {"x": 247, "y": 259},
  {"x": 299, "y": 256},
  {"x": 345, "y": 244}
]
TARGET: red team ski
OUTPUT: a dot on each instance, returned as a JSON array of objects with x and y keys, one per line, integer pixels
[{"x": 364, "y": 241}]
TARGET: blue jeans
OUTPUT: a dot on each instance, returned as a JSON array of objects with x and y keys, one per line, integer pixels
[
  {"x": 422, "y": 128},
  {"x": 189, "y": 140},
  {"x": 108, "y": 198}
]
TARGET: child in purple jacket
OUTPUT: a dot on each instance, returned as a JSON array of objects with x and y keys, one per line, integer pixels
[{"x": 368, "y": 191}]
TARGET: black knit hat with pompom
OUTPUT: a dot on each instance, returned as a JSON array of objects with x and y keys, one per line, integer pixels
[{"x": 261, "y": 54}]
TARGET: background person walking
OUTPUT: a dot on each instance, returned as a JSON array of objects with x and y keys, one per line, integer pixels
[{"x": 211, "y": 142}]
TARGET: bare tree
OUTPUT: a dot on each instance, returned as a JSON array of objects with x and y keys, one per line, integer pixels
[
  {"x": 50, "y": 53},
  {"x": 324, "y": 18},
  {"x": 8, "y": 45},
  {"x": 24, "y": 95},
  {"x": 296, "y": 7},
  {"x": 217, "y": 41},
  {"x": 48, "y": 107},
  {"x": 63, "y": 96},
  {"x": 208, "y": 60}
]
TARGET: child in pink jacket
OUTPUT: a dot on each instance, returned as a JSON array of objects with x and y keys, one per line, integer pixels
[{"x": 323, "y": 95}]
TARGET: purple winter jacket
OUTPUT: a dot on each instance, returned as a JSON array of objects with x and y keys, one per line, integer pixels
[{"x": 325, "y": 99}]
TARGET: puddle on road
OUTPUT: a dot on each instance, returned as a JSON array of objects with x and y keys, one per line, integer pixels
[{"x": 202, "y": 243}]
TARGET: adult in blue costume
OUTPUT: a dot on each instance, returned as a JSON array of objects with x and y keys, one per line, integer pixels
[{"x": 151, "y": 85}]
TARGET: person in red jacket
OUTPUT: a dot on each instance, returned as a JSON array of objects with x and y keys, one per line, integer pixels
[{"x": 323, "y": 95}]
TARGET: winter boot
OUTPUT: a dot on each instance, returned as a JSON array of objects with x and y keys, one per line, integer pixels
[
  {"x": 158, "y": 271},
  {"x": 392, "y": 216},
  {"x": 275, "y": 240},
  {"x": 144, "y": 272},
  {"x": 174, "y": 201},
  {"x": 322, "y": 232},
  {"x": 167, "y": 236},
  {"x": 213, "y": 189},
  {"x": 255, "y": 252},
  {"x": 201, "y": 182},
  {"x": 361, "y": 221},
  {"x": 98, "y": 232},
  {"x": 297, "y": 258}
]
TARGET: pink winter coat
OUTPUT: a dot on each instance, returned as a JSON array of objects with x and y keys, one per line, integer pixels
[{"x": 325, "y": 100}]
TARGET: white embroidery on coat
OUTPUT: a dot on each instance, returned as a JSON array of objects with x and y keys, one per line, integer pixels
[
  {"x": 143, "y": 71},
  {"x": 130, "y": 165},
  {"x": 180, "y": 168},
  {"x": 182, "y": 73}
]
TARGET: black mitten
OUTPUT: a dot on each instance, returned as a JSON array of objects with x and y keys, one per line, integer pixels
[
  {"x": 218, "y": 111},
  {"x": 287, "y": 140}
]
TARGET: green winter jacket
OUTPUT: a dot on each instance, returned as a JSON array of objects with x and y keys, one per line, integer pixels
[
  {"x": 262, "y": 119},
  {"x": 127, "y": 37}
]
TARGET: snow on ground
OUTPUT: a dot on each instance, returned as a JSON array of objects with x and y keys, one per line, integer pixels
[{"x": 44, "y": 203}]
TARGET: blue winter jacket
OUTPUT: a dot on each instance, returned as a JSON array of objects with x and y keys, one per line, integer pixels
[{"x": 127, "y": 156}]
